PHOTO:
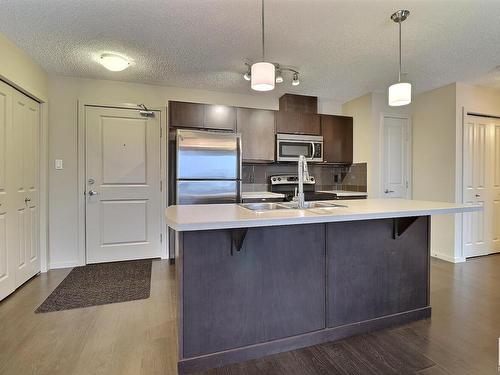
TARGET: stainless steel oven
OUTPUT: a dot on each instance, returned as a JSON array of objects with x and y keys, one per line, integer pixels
[{"x": 290, "y": 146}]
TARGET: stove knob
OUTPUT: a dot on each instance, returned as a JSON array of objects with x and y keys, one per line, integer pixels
[{"x": 274, "y": 178}]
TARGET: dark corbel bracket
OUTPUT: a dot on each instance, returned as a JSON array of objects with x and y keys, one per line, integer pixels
[
  {"x": 401, "y": 224},
  {"x": 238, "y": 239}
]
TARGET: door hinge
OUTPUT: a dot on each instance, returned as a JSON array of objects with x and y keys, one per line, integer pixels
[
  {"x": 161, "y": 132},
  {"x": 161, "y": 185},
  {"x": 161, "y": 238},
  {"x": 406, "y": 184}
]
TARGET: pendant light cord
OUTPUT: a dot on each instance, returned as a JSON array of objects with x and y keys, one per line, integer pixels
[
  {"x": 263, "y": 49},
  {"x": 399, "y": 76}
]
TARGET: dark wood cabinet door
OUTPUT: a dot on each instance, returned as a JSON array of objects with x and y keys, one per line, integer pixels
[
  {"x": 273, "y": 288},
  {"x": 298, "y": 123},
  {"x": 370, "y": 274},
  {"x": 220, "y": 117},
  {"x": 337, "y": 134},
  {"x": 298, "y": 103},
  {"x": 257, "y": 130},
  {"x": 185, "y": 115}
]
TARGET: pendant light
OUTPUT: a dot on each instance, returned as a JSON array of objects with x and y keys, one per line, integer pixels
[
  {"x": 263, "y": 73},
  {"x": 400, "y": 93}
]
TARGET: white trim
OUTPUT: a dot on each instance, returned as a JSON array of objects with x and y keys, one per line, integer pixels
[
  {"x": 409, "y": 153},
  {"x": 57, "y": 265},
  {"x": 43, "y": 188},
  {"x": 448, "y": 258},
  {"x": 82, "y": 103}
]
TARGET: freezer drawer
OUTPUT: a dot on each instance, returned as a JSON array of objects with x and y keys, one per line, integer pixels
[{"x": 208, "y": 192}]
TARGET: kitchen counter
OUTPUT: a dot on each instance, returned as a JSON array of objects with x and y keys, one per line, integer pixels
[
  {"x": 261, "y": 195},
  {"x": 253, "y": 284},
  {"x": 204, "y": 217},
  {"x": 345, "y": 193}
]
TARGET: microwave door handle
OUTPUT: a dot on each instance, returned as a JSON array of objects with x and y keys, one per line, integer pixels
[{"x": 313, "y": 150}]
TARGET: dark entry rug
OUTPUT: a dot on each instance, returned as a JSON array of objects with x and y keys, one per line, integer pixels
[{"x": 100, "y": 284}]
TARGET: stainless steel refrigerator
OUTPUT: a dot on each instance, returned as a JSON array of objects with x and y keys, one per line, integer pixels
[{"x": 205, "y": 167}]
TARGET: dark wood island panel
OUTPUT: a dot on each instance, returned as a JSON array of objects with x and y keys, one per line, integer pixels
[{"x": 248, "y": 293}]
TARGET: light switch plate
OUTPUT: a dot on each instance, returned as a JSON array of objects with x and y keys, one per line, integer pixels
[{"x": 58, "y": 163}]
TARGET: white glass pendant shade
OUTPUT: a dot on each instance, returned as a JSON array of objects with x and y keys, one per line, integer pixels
[
  {"x": 262, "y": 77},
  {"x": 399, "y": 94}
]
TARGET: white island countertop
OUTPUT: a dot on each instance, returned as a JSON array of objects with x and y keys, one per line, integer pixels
[{"x": 223, "y": 216}]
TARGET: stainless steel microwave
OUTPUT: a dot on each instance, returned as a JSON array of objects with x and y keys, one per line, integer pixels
[{"x": 290, "y": 146}]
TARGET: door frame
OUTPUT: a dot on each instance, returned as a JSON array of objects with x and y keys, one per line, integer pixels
[
  {"x": 409, "y": 153},
  {"x": 81, "y": 170},
  {"x": 459, "y": 218}
]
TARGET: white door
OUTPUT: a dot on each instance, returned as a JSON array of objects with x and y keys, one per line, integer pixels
[
  {"x": 123, "y": 204},
  {"x": 25, "y": 130},
  {"x": 7, "y": 275},
  {"x": 394, "y": 166},
  {"x": 481, "y": 230}
]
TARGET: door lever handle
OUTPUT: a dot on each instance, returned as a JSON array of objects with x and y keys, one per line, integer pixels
[
  {"x": 387, "y": 191},
  {"x": 26, "y": 200},
  {"x": 93, "y": 192}
]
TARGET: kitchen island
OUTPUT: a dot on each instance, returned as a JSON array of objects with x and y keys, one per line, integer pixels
[{"x": 257, "y": 282}]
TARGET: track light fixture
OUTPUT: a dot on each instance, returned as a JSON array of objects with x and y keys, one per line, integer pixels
[
  {"x": 278, "y": 70},
  {"x": 263, "y": 75}
]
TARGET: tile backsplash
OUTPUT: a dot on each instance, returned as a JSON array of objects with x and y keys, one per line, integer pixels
[{"x": 328, "y": 177}]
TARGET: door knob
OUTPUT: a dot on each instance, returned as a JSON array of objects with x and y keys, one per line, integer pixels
[
  {"x": 93, "y": 192},
  {"x": 26, "y": 200},
  {"x": 387, "y": 191},
  {"x": 478, "y": 195}
]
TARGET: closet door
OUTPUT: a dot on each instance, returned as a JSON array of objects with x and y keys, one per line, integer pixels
[
  {"x": 7, "y": 227},
  {"x": 25, "y": 121}
]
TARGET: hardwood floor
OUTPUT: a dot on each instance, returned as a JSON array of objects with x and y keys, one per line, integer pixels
[{"x": 139, "y": 337}]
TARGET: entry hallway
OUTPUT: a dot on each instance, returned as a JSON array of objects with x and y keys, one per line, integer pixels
[{"x": 139, "y": 337}]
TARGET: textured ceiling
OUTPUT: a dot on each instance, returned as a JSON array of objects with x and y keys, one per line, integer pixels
[{"x": 343, "y": 49}]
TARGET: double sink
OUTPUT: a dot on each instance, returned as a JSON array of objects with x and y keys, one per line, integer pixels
[{"x": 260, "y": 207}]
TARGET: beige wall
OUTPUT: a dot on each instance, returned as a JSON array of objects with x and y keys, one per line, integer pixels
[
  {"x": 434, "y": 161},
  {"x": 18, "y": 69},
  {"x": 64, "y": 93},
  {"x": 366, "y": 112}
]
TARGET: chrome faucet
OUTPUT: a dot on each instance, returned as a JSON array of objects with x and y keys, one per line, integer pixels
[{"x": 303, "y": 174}]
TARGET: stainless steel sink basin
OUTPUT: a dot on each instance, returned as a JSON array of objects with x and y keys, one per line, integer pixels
[
  {"x": 313, "y": 205},
  {"x": 288, "y": 206},
  {"x": 264, "y": 206}
]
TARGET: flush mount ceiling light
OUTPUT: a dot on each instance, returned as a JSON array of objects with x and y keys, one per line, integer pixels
[
  {"x": 113, "y": 62},
  {"x": 400, "y": 93},
  {"x": 263, "y": 75}
]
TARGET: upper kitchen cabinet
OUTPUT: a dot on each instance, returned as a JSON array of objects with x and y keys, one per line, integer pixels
[
  {"x": 298, "y": 123},
  {"x": 220, "y": 117},
  {"x": 185, "y": 115},
  {"x": 299, "y": 103},
  {"x": 337, "y": 139},
  {"x": 257, "y": 130},
  {"x": 201, "y": 116}
]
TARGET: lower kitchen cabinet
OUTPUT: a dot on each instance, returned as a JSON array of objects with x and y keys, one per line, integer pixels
[
  {"x": 257, "y": 130},
  {"x": 273, "y": 288},
  {"x": 371, "y": 274}
]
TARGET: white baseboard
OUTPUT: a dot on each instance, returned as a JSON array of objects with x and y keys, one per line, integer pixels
[
  {"x": 448, "y": 258},
  {"x": 58, "y": 265}
]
